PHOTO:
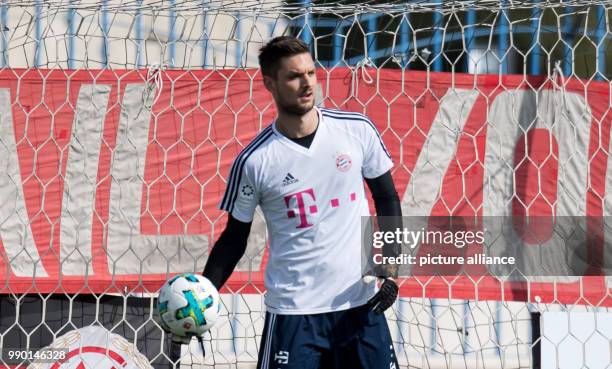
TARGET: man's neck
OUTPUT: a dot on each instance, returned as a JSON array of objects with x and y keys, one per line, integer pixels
[{"x": 293, "y": 126}]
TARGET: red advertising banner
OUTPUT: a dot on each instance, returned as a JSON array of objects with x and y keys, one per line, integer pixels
[{"x": 109, "y": 184}]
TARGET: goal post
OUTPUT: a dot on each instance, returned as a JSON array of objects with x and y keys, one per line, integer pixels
[{"x": 119, "y": 121}]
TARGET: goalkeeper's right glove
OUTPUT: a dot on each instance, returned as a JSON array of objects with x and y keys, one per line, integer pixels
[{"x": 184, "y": 340}]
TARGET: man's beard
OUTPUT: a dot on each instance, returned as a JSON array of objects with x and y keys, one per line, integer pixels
[{"x": 294, "y": 109}]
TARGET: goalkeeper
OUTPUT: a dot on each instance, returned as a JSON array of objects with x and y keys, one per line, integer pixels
[{"x": 306, "y": 172}]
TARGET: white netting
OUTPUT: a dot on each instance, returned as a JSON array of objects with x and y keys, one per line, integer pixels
[{"x": 119, "y": 119}]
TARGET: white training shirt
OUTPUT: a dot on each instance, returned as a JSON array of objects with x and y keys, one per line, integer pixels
[{"x": 312, "y": 199}]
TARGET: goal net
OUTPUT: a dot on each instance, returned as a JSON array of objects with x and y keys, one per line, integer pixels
[{"x": 119, "y": 120}]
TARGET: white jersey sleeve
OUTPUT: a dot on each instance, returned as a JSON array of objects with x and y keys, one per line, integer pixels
[
  {"x": 377, "y": 160},
  {"x": 241, "y": 195}
]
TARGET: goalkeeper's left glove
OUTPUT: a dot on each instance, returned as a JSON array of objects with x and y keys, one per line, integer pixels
[{"x": 385, "y": 297}]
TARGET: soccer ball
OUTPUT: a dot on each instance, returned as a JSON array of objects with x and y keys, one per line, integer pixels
[{"x": 188, "y": 305}]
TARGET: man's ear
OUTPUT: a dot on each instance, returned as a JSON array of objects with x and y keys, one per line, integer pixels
[{"x": 269, "y": 84}]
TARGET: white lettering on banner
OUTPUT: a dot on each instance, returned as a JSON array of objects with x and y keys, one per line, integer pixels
[
  {"x": 130, "y": 252},
  {"x": 79, "y": 195},
  {"x": 439, "y": 148},
  {"x": 511, "y": 114},
  {"x": 568, "y": 119},
  {"x": 15, "y": 229}
]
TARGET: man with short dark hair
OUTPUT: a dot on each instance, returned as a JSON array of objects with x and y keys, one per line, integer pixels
[{"x": 306, "y": 172}]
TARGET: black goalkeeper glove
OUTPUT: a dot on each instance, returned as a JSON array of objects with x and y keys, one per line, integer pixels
[
  {"x": 177, "y": 341},
  {"x": 385, "y": 297},
  {"x": 183, "y": 340}
]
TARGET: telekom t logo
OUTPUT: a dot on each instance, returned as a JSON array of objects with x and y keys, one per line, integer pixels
[{"x": 299, "y": 198}]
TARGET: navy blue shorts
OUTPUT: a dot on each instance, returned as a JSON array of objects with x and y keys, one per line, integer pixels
[{"x": 348, "y": 339}]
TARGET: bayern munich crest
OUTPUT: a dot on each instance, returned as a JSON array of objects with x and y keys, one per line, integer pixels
[{"x": 344, "y": 162}]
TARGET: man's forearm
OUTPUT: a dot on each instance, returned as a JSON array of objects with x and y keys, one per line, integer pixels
[
  {"x": 227, "y": 251},
  {"x": 385, "y": 196},
  {"x": 388, "y": 212},
  {"x": 389, "y": 216}
]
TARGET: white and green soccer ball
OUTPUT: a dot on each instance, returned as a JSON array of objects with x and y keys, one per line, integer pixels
[{"x": 188, "y": 305}]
